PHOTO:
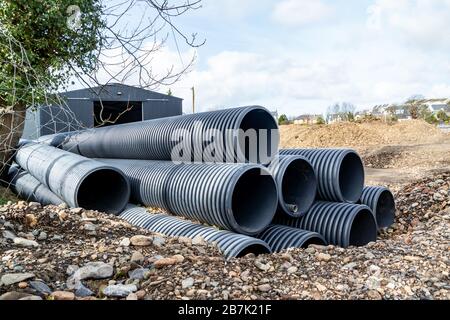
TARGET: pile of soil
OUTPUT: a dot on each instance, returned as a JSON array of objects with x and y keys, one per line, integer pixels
[{"x": 360, "y": 135}]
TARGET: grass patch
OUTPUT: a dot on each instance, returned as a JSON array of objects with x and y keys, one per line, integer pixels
[{"x": 6, "y": 195}]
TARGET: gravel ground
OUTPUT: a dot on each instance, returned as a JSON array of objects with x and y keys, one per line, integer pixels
[{"x": 65, "y": 254}]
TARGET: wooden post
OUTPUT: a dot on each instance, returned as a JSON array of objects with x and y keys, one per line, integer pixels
[{"x": 193, "y": 99}]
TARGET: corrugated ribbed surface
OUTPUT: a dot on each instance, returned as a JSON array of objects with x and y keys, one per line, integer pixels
[
  {"x": 231, "y": 244},
  {"x": 55, "y": 140},
  {"x": 79, "y": 181},
  {"x": 297, "y": 184},
  {"x": 30, "y": 189},
  {"x": 382, "y": 203},
  {"x": 235, "y": 197},
  {"x": 340, "y": 172},
  {"x": 341, "y": 224},
  {"x": 280, "y": 237},
  {"x": 154, "y": 139}
]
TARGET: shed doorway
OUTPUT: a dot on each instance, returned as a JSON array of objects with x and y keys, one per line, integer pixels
[{"x": 108, "y": 113}]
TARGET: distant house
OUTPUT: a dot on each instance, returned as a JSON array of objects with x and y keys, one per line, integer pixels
[
  {"x": 334, "y": 117},
  {"x": 403, "y": 115},
  {"x": 307, "y": 119},
  {"x": 436, "y": 105},
  {"x": 381, "y": 110},
  {"x": 361, "y": 114},
  {"x": 384, "y": 111}
]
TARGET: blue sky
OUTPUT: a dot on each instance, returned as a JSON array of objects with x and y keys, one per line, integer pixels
[{"x": 300, "y": 56}]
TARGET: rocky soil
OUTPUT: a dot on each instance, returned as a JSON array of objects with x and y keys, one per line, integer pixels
[{"x": 65, "y": 254}]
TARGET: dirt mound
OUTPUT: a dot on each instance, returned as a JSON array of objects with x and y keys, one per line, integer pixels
[{"x": 360, "y": 135}]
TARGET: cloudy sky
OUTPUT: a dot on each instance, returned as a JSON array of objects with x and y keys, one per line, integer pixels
[{"x": 300, "y": 56}]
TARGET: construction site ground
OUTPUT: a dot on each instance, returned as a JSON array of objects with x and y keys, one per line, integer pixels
[{"x": 42, "y": 249}]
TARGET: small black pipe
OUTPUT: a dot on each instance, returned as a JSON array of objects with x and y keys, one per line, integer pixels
[
  {"x": 382, "y": 203},
  {"x": 341, "y": 224},
  {"x": 230, "y": 244},
  {"x": 297, "y": 184},
  {"x": 280, "y": 237}
]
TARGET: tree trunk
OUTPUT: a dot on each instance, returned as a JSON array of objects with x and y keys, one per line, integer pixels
[{"x": 12, "y": 122}]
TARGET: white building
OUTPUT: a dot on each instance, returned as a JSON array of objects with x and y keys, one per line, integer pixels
[{"x": 436, "y": 105}]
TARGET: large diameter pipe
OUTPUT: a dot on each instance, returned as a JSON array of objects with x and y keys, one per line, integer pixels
[
  {"x": 297, "y": 184},
  {"x": 229, "y": 243},
  {"x": 280, "y": 237},
  {"x": 340, "y": 172},
  {"x": 341, "y": 224},
  {"x": 382, "y": 203},
  {"x": 237, "y": 197},
  {"x": 148, "y": 179},
  {"x": 29, "y": 188},
  {"x": 247, "y": 134},
  {"x": 79, "y": 181}
]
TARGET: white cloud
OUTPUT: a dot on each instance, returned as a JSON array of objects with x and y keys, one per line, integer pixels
[
  {"x": 300, "y": 12},
  {"x": 302, "y": 84},
  {"x": 402, "y": 52},
  {"x": 418, "y": 22},
  {"x": 441, "y": 90}
]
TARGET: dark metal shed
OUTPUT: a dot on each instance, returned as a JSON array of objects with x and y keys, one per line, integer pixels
[{"x": 88, "y": 108}]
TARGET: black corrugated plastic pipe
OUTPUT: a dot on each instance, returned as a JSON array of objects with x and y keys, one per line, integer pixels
[
  {"x": 341, "y": 224},
  {"x": 57, "y": 139},
  {"x": 29, "y": 188},
  {"x": 280, "y": 237},
  {"x": 157, "y": 139},
  {"x": 297, "y": 184},
  {"x": 340, "y": 172},
  {"x": 79, "y": 181},
  {"x": 229, "y": 243},
  {"x": 237, "y": 197},
  {"x": 382, "y": 203}
]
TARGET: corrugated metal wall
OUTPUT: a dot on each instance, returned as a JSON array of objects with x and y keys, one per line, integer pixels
[
  {"x": 160, "y": 109},
  {"x": 77, "y": 115}
]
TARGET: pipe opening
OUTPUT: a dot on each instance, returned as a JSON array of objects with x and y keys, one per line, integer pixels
[
  {"x": 298, "y": 188},
  {"x": 104, "y": 190},
  {"x": 385, "y": 210},
  {"x": 363, "y": 229},
  {"x": 313, "y": 240},
  {"x": 254, "y": 201},
  {"x": 258, "y": 119},
  {"x": 255, "y": 248},
  {"x": 351, "y": 177}
]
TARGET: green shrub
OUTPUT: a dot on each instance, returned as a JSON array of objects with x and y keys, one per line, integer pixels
[
  {"x": 431, "y": 119},
  {"x": 283, "y": 119},
  {"x": 442, "y": 116},
  {"x": 320, "y": 120}
]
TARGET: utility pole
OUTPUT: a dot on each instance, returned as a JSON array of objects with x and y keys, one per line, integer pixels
[{"x": 193, "y": 99}]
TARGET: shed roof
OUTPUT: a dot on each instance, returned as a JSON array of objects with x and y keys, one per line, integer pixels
[{"x": 114, "y": 90}]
